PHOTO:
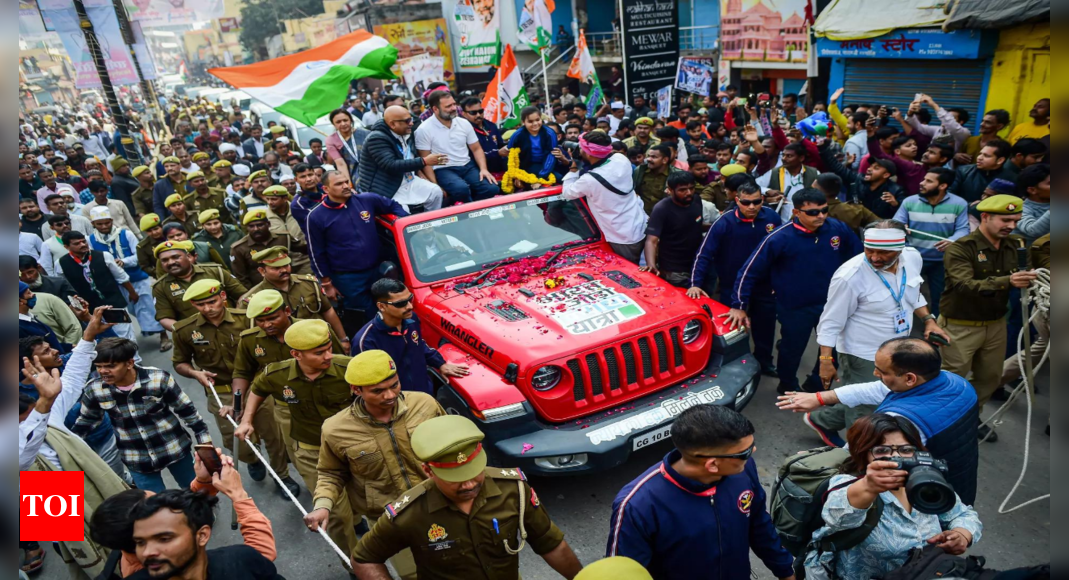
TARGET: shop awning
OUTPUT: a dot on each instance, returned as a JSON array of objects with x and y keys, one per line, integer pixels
[
  {"x": 859, "y": 19},
  {"x": 995, "y": 14}
]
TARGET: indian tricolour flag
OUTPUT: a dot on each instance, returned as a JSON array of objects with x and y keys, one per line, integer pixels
[
  {"x": 506, "y": 95},
  {"x": 582, "y": 68},
  {"x": 312, "y": 83},
  {"x": 536, "y": 24}
]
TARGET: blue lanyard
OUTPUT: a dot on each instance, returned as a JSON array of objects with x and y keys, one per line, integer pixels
[{"x": 901, "y": 293}]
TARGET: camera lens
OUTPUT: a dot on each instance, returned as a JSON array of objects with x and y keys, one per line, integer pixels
[{"x": 929, "y": 491}]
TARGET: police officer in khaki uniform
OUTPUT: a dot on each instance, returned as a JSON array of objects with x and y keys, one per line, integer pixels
[
  {"x": 981, "y": 268},
  {"x": 204, "y": 346},
  {"x": 265, "y": 344},
  {"x": 142, "y": 196},
  {"x": 204, "y": 161},
  {"x": 302, "y": 293},
  {"x": 854, "y": 215},
  {"x": 468, "y": 521},
  {"x": 260, "y": 238},
  {"x": 313, "y": 386},
  {"x": 153, "y": 236},
  {"x": 180, "y": 213},
  {"x": 223, "y": 172},
  {"x": 175, "y": 259},
  {"x": 366, "y": 449},
  {"x": 202, "y": 197},
  {"x": 278, "y": 213}
]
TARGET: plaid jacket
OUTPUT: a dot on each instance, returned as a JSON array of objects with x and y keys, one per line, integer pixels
[{"x": 146, "y": 419}]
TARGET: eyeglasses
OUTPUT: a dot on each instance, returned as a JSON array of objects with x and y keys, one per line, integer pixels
[
  {"x": 400, "y": 303},
  {"x": 889, "y": 450},
  {"x": 816, "y": 212},
  {"x": 749, "y": 202},
  {"x": 744, "y": 456},
  {"x": 475, "y": 112}
]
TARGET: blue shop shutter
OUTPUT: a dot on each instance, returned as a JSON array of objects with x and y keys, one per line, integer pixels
[{"x": 952, "y": 83}]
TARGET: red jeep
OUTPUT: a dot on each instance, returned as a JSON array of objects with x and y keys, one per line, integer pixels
[{"x": 577, "y": 358}]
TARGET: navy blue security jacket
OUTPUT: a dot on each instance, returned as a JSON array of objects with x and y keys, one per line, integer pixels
[
  {"x": 728, "y": 246},
  {"x": 680, "y": 529},
  {"x": 408, "y": 349},
  {"x": 342, "y": 237}
]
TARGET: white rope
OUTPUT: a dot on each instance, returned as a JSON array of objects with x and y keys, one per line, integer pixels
[
  {"x": 1039, "y": 298},
  {"x": 344, "y": 557}
]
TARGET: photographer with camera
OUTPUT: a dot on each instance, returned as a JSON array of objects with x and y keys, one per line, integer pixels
[
  {"x": 606, "y": 181},
  {"x": 889, "y": 471}
]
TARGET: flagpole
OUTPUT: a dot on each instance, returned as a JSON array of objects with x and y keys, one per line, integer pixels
[{"x": 545, "y": 75}]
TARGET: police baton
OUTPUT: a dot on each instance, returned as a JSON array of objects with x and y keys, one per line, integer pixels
[{"x": 237, "y": 448}]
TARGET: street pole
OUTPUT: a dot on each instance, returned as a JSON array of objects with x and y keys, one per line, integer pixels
[
  {"x": 545, "y": 75},
  {"x": 105, "y": 79}
]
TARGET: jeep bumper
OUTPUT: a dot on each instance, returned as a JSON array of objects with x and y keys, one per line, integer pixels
[{"x": 608, "y": 438}]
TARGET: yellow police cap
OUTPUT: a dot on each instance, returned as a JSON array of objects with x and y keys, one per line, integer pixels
[
  {"x": 203, "y": 290},
  {"x": 257, "y": 174},
  {"x": 308, "y": 334},
  {"x": 452, "y": 447},
  {"x": 200, "y": 155},
  {"x": 172, "y": 159},
  {"x": 172, "y": 199},
  {"x": 617, "y": 568},
  {"x": 370, "y": 367},
  {"x": 221, "y": 163},
  {"x": 273, "y": 257},
  {"x": 644, "y": 121},
  {"x": 118, "y": 162},
  {"x": 1001, "y": 204},
  {"x": 207, "y": 216},
  {"x": 277, "y": 130},
  {"x": 276, "y": 191},
  {"x": 139, "y": 170},
  {"x": 149, "y": 221},
  {"x": 193, "y": 175},
  {"x": 186, "y": 246},
  {"x": 733, "y": 169},
  {"x": 263, "y": 303},
  {"x": 254, "y": 215}
]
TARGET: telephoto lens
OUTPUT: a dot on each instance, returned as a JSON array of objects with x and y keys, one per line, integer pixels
[{"x": 927, "y": 487}]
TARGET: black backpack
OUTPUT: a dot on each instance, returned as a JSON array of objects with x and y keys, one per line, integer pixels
[{"x": 932, "y": 563}]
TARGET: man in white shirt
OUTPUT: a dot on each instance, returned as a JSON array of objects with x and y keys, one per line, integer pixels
[
  {"x": 58, "y": 207},
  {"x": 464, "y": 176},
  {"x": 609, "y": 189},
  {"x": 873, "y": 298}
]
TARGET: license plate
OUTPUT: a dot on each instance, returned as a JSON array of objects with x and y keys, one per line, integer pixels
[{"x": 652, "y": 438}]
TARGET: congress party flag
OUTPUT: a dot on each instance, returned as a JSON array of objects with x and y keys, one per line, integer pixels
[
  {"x": 506, "y": 95},
  {"x": 536, "y": 24},
  {"x": 582, "y": 68},
  {"x": 312, "y": 83}
]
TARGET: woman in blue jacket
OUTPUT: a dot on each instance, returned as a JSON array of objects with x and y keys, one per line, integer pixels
[{"x": 536, "y": 143}]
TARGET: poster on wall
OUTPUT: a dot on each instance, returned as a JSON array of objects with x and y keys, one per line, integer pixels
[
  {"x": 651, "y": 45},
  {"x": 420, "y": 71},
  {"x": 428, "y": 37},
  {"x": 155, "y": 13},
  {"x": 62, "y": 15},
  {"x": 31, "y": 25},
  {"x": 764, "y": 31},
  {"x": 694, "y": 76},
  {"x": 664, "y": 103},
  {"x": 477, "y": 23}
]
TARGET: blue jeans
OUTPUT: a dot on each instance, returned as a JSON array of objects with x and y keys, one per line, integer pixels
[
  {"x": 936, "y": 277},
  {"x": 796, "y": 327},
  {"x": 356, "y": 289},
  {"x": 462, "y": 184},
  {"x": 181, "y": 471}
]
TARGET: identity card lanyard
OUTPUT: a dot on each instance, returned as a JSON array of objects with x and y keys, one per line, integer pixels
[{"x": 899, "y": 322}]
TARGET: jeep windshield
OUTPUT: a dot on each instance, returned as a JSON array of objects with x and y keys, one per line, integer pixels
[{"x": 467, "y": 243}]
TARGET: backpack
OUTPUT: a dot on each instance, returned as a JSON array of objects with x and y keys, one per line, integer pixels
[
  {"x": 931, "y": 563},
  {"x": 798, "y": 497}
]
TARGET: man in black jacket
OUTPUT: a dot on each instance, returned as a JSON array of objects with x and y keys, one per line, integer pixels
[
  {"x": 990, "y": 165},
  {"x": 391, "y": 167},
  {"x": 874, "y": 190},
  {"x": 32, "y": 274},
  {"x": 123, "y": 185}
]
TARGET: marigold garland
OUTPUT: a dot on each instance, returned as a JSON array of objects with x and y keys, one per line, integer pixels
[{"x": 514, "y": 172}]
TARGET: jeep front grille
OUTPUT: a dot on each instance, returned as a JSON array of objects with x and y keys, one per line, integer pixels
[{"x": 616, "y": 369}]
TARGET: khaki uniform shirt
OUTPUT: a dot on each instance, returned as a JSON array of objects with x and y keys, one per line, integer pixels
[
  {"x": 448, "y": 544},
  {"x": 374, "y": 461},
  {"x": 210, "y": 347},
  {"x": 146, "y": 260},
  {"x": 715, "y": 194},
  {"x": 286, "y": 225},
  {"x": 1040, "y": 252},
  {"x": 256, "y": 350},
  {"x": 651, "y": 187},
  {"x": 978, "y": 278},
  {"x": 311, "y": 403},
  {"x": 168, "y": 291},
  {"x": 246, "y": 270},
  {"x": 633, "y": 142},
  {"x": 854, "y": 215},
  {"x": 142, "y": 199},
  {"x": 304, "y": 297},
  {"x": 191, "y": 224},
  {"x": 215, "y": 199}
]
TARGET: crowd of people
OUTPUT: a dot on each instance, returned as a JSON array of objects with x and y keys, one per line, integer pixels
[{"x": 891, "y": 238}]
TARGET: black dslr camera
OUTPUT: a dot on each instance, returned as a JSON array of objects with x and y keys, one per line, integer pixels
[{"x": 927, "y": 487}]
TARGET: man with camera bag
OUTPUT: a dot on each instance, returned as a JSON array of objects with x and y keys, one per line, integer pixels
[
  {"x": 606, "y": 182},
  {"x": 942, "y": 405}
]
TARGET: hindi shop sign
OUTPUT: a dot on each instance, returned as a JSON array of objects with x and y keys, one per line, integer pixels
[
  {"x": 916, "y": 43},
  {"x": 651, "y": 46}
]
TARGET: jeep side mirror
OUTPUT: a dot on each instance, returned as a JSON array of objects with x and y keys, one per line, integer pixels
[{"x": 390, "y": 270}]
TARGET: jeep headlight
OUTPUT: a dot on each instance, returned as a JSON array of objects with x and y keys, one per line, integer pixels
[
  {"x": 692, "y": 331},
  {"x": 546, "y": 378}
]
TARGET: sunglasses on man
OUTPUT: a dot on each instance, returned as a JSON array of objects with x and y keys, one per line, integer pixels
[
  {"x": 816, "y": 212},
  {"x": 744, "y": 456},
  {"x": 475, "y": 112},
  {"x": 400, "y": 303},
  {"x": 750, "y": 202}
]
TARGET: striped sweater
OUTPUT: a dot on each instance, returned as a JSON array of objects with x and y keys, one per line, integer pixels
[{"x": 947, "y": 219}]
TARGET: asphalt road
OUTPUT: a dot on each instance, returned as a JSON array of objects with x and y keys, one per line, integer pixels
[{"x": 581, "y": 506}]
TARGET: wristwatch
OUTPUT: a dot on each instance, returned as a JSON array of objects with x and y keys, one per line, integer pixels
[{"x": 929, "y": 317}]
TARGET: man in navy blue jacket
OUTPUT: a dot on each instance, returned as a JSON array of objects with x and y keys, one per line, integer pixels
[
  {"x": 726, "y": 248},
  {"x": 699, "y": 512},
  {"x": 800, "y": 259},
  {"x": 344, "y": 245},
  {"x": 397, "y": 331}
]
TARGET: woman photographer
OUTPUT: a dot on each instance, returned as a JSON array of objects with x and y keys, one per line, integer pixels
[{"x": 875, "y": 443}]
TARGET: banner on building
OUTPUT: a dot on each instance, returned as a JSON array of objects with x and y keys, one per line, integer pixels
[
  {"x": 429, "y": 37},
  {"x": 477, "y": 23},
  {"x": 230, "y": 24},
  {"x": 145, "y": 61},
  {"x": 420, "y": 71},
  {"x": 31, "y": 24},
  {"x": 651, "y": 45},
  {"x": 156, "y": 13},
  {"x": 694, "y": 76},
  {"x": 764, "y": 31},
  {"x": 62, "y": 15},
  {"x": 536, "y": 24},
  {"x": 664, "y": 103}
]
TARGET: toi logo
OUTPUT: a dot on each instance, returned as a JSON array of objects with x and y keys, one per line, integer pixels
[{"x": 51, "y": 506}]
